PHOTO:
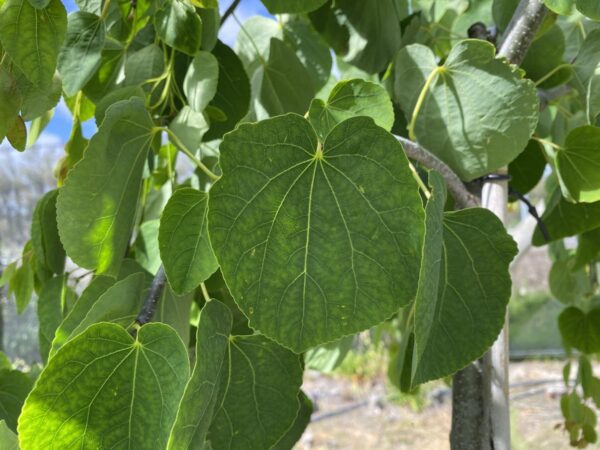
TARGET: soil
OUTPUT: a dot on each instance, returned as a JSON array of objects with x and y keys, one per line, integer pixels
[{"x": 380, "y": 421}]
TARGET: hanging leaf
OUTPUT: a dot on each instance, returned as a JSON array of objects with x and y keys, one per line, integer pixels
[
  {"x": 581, "y": 330},
  {"x": 185, "y": 248},
  {"x": 201, "y": 80},
  {"x": 294, "y": 433},
  {"x": 233, "y": 93},
  {"x": 37, "y": 100},
  {"x": 174, "y": 310},
  {"x": 292, "y": 6},
  {"x": 17, "y": 134},
  {"x": 106, "y": 389},
  {"x": 104, "y": 80},
  {"x": 319, "y": 228},
  {"x": 96, "y": 206},
  {"x": 563, "y": 7},
  {"x": 146, "y": 246},
  {"x": 178, "y": 25},
  {"x": 563, "y": 218},
  {"x": 578, "y": 165},
  {"x": 527, "y": 169},
  {"x": 81, "y": 53},
  {"x": 44, "y": 234},
  {"x": 124, "y": 93},
  {"x": 464, "y": 287},
  {"x": 325, "y": 358},
  {"x": 10, "y": 100},
  {"x": 211, "y": 22},
  {"x": 144, "y": 64},
  {"x": 33, "y": 37},
  {"x": 189, "y": 126},
  {"x": 284, "y": 84},
  {"x": 351, "y": 98},
  {"x": 567, "y": 284},
  {"x": 544, "y": 57},
  {"x": 480, "y": 125},
  {"x": 14, "y": 388}
]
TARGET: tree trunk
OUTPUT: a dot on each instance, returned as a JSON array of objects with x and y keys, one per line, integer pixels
[{"x": 480, "y": 409}]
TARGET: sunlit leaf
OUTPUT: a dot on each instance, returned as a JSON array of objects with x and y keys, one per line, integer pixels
[
  {"x": 179, "y": 26},
  {"x": 201, "y": 79},
  {"x": 105, "y": 389}
]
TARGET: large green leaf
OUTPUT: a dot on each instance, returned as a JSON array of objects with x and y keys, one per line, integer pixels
[
  {"x": 243, "y": 390},
  {"x": 292, "y": 6},
  {"x": 563, "y": 218},
  {"x": 199, "y": 401},
  {"x": 578, "y": 165},
  {"x": 33, "y": 37},
  {"x": 201, "y": 80},
  {"x": 14, "y": 388},
  {"x": 316, "y": 241},
  {"x": 106, "y": 389},
  {"x": 581, "y": 330},
  {"x": 185, "y": 248},
  {"x": 96, "y": 206},
  {"x": 81, "y": 53},
  {"x": 179, "y": 26},
  {"x": 284, "y": 85},
  {"x": 54, "y": 297},
  {"x": 375, "y": 31},
  {"x": 351, "y": 98},
  {"x": 588, "y": 249},
  {"x": 590, "y": 8},
  {"x": 464, "y": 286},
  {"x": 482, "y": 111},
  {"x": 233, "y": 93},
  {"x": 144, "y": 64},
  {"x": 44, "y": 234}
]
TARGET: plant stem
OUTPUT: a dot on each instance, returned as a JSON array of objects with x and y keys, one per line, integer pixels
[
  {"x": 173, "y": 137},
  {"x": 419, "y": 181},
  {"x": 149, "y": 307},
  {"x": 420, "y": 100},
  {"x": 205, "y": 293},
  {"x": 105, "y": 7},
  {"x": 546, "y": 142}
]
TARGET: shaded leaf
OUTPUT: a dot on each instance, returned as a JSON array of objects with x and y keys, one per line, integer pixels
[
  {"x": 96, "y": 206},
  {"x": 10, "y": 100},
  {"x": 307, "y": 274},
  {"x": 528, "y": 168},
  {"x": 124, "y": 93},
  {"x": 294, "y": 433},
  {"x": 17, "y": 134},
  {"x": 8, "y": 439},
  {"x": 81, "y": 53},
  {"x": 588, "y": 249},
  {"x": 44, "y": 234},
  {"x": 578, "y": 165},
  {"x": 567, "y": 284},
  {"x": 581, "y": 330},
  {"x": 233, "y": 92},
  {"x": 292, "y": 6},
  {"x": 105, "y": 389},
  {"x": 175, "y": 310},
  {"x": 183, "y": 238},
  {"x": 33, "y": 37},
  {"x": 590, "y": 8},
  {"x": 351, "y": 98},
  {"x": 464, "y": 287},
  {"x": 14, "y": 388},
  {"x": 545, "y": 56},
  {"x": 563, "y": 7}
]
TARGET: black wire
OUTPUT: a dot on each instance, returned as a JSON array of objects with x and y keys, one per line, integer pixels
[{"x": 532, "y": 211}]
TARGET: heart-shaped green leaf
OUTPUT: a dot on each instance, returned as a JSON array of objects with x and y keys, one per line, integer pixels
[
  {"x": 106, "y": 389},
  {"x": 316, "y": 241},
  {"x": 581, "y": 330},
  {"x": 464, "y": 286},
  {"x": 481, "y": 109}
]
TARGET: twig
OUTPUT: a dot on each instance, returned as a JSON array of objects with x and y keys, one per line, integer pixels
[
  {"x": 158, "y": 284},
  {"x": 229, "y": 11},
  {"x": 463, "y": 198}
]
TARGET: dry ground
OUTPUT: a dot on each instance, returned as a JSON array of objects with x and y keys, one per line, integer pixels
[{"x": 381, "y": 422}]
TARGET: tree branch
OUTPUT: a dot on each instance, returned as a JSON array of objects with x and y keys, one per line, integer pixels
[
  {"x": 229, "y": 11},
  {"x": 158, "y": 284},
  {"x": 521, "y": 30},
  {"x": 463, "y": 198}
]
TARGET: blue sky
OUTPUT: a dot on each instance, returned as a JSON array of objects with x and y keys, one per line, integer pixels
[{"x": 60, "y": 125}]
